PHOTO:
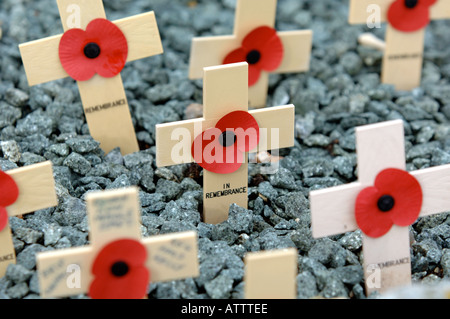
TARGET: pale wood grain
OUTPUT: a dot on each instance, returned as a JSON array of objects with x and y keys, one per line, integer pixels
[{"x": 271, "y": 274}]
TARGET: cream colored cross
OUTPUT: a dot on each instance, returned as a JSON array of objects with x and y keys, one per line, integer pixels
[
  {"x": 225, "y": 90},
  {"x": 112, "y": 126},
  {"x": 36, "y": 191},
  {"x": 251, "y": 14},
  {"x": 115, "y": 215},
  {"x": 403, "y": 52},
  {"x": 387, "y": 258},
  {"x": 271, "y": 274}
]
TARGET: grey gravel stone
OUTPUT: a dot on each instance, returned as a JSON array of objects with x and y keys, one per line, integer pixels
[{"x": 18, "y": 273}]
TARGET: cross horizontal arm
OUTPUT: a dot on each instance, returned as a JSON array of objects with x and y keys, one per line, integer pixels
[
  {"x": 333, "y": 210},
  {"x": 435, "y": 183},
  {"x": 297, "y": 51},
  {"x": 36, "y": 188},
  {"x": 209, "y": 51},
  {"x": 172, "y": 256},
  {"x": 173, "y": 138},
  {"x": 41, "y": 58},
  {"x": 361, "y": 10}
]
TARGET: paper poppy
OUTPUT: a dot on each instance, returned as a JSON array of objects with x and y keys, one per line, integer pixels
[
  {"x": 120, "y": 271},
  {"x": 9, "y": 192},
  {"x": 101, "y": 49},
  {"x": 410, "y": 15},
  {"x": 395, "y": 198},
  {"x": 262, "y": 49},
  {"x": 222, "y": 149}
]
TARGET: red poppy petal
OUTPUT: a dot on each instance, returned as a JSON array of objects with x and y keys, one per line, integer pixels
[
  {"x": 132, "y": 286},
  {"x": 245, "y": 127},
  {"x": 406, "y": 191},
  {"x": 212, "y": 156},
  {"x": 258, "y": 38},
  {"x": 254, "y": 72},
  {"x": 113, "y": 45},
  {"x": 369, "y": 218},
  {"x": 113, "y": 50},
  {"x": 71, "y": 55},
  {"x": 8, "y": 189},
  {"x": 3, "y": 218},
  {"x": 236, "y": 56},
  {"x": 132, "y": 252},
  {"x": 272, "y": 54},
  {"x": 409, "y": 19}
]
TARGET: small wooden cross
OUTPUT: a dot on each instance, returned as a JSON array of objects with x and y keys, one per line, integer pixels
[
  {"x": 104, "y": 99},
  {"x": 251, "y": 14},
  {"x": 271, "y": 274},
  {"x": 403, "y": 52},
  {"x": 225, "y": 90},
  {"x": 36, "y": 191},
  {"x": 115, "y": 215},
  {"x": 386, "y": 258}
]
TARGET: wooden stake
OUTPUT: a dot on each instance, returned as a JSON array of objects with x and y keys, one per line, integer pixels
[{"x": 271, "y": 274}]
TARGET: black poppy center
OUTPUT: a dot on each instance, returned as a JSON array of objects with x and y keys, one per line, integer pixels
[
  {"x": 386, "y": 203},
  {"x": 411, "y": 3},
  {"x": 92, "y": 50},
  {"x": 119, "y": 269},
  {"x": 227, "y": 138},
  {"x": 253, "y": 57}
]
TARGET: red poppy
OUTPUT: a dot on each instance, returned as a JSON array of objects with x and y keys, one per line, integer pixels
[
  {"x": 9, "y": 193},
  {"x": 410, "y": 15},
  {"x": 120, "y": 271},
  {"x": 101, "y": 49},
  {"x": 222, "y": 149},
  {"x": 395, "y": 198},
  {"x": 262, "y": 49}
]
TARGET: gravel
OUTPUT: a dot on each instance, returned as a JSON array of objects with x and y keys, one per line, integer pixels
[{"x": 341, "y": 90}]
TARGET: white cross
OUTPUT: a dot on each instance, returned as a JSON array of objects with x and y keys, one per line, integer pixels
[
  {"x": 36, "y": 191},
  {"x": 112, "y": 126},
  {"x": 403, "y": 52},
  {"x": 225, "y": 90},
  {"x": 251, "y": 14},
  {"x": 387, "y": 258},
  {"x": 115, "y": 215}
]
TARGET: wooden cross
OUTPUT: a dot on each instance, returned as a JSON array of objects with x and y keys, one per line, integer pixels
[
  {"x": 104, "y": 99},
  {"x": 224, "y": 90},
  {"x": 386, "y": 258},
  {"x": 251, "y": 14},
  {"x": 403, "y": 52},
  {"x": 271, "y": 274},
  {"x": 115, "y": 215},
  {"x": 36, "y": 191}
]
